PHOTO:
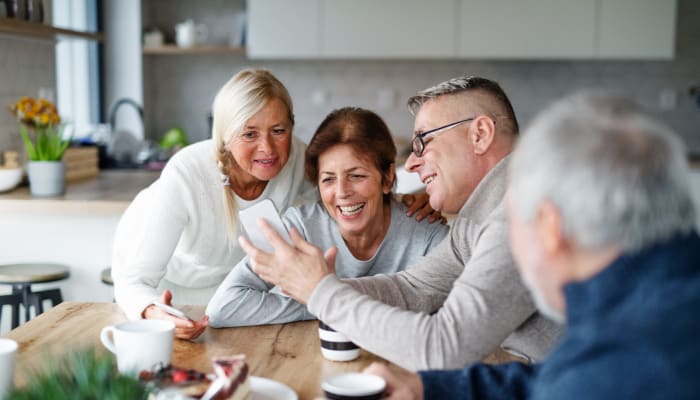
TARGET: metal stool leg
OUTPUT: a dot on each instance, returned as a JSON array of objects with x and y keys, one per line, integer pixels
[
  {"x": 23, "y": 290},
  {"x": 12, "y": 300}
]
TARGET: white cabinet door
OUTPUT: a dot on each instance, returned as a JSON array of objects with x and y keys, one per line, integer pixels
[
  {"x": 533, "y": 29},
  {"x": 283, "y": 28},
  {"x": 637, "y": 29},
  {"x": 388, "y": 29}
]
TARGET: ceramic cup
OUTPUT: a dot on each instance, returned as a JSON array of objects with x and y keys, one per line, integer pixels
[
  {"x": 8, "y": 352},
  {"x": 140, "y": 344},
  {"x": 188, "y": 34},
  {"x": 353, "y": 386},
  {"x": 335, "y": 346}
]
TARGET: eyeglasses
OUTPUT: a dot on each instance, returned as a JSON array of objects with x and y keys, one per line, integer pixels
[{"x": 418, "y": 142}]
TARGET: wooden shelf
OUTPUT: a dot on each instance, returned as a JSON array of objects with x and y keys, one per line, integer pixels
[
  {"x": 174, "y": 50},
  {"x": 39, "y": 30}
]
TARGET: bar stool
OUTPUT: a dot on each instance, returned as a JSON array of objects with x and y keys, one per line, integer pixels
[{"x": 21, "y": 276}]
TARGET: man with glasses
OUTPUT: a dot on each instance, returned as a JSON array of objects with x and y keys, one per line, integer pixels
[
  {"x": 602, "y": 224},
  {"x": 465, "y": 298}
]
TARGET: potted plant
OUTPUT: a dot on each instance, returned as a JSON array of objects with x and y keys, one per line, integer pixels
[{"x": 43, "y": 140}]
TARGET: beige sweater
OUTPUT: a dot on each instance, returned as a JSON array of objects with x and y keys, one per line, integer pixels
[{"x": 454, "y": 306}]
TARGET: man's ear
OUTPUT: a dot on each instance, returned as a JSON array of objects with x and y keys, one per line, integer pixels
[
  {"x": 483, "y": 133},
  {"x": 549, "y": 230}
]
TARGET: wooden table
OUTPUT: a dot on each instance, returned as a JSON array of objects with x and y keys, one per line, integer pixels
[{"x": 288, "y": 353}]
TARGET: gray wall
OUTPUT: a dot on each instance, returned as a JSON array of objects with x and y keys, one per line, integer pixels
[
  {"x": 25, "y": 66},
  {"x": 178, "y": 90}
]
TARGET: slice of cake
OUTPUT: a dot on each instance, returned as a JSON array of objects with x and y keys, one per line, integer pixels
[
  {"x": 169, "y": 378},
  {"x": 234, "y": 371}
]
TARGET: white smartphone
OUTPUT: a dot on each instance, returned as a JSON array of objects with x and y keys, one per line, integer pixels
[
  {"x": 170, "y": 310},
  {"x": 249, "y": 219}
]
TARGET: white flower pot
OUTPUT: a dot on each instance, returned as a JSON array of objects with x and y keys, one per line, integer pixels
[{"x": 46, "y": 178}]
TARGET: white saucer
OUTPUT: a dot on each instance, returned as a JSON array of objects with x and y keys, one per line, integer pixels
[{"x": 268, "y": 389}]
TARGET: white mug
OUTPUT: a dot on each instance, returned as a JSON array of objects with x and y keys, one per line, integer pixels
[
  {"x": 139, "y": 345},
  {"x": 8, "y": 351},
  {"x": 188, "y": 34}
]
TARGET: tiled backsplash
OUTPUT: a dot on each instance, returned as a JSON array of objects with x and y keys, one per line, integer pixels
[{"x": 25, "y": 66}]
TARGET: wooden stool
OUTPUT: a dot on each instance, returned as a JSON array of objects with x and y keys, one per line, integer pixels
[
  {"x": 106, "y": 276},
  {"x": 21, "y": 277}
]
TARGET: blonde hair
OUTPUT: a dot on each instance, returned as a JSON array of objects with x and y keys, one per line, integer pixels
[{"x": 244, "y": 95}]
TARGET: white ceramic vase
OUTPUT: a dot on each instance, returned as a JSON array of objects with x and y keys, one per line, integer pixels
[{"x": 46, "y": 178}]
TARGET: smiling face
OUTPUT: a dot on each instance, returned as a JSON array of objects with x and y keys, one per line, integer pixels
[
  {"x": 352, "y": 190},
  {"x": 261, "y": 148},
  {"x": 447, "y": 166}
]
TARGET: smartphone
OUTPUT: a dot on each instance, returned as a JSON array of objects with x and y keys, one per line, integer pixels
[
  {"x": 170, "y": 310},
  {"x": 249, "y": 219}
]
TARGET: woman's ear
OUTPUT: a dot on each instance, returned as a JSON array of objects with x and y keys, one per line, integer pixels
[
  {"x": 389, "y": 179},
  {"x": 482, "y": 133}
]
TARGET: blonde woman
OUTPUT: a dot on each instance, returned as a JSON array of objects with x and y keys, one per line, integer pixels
[{"x": 178, "y": 237}]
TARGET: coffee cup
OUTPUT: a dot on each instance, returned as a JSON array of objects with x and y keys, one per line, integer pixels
[
  {"x": 335, "y": 346},
  {"x": 140, "y": 344},
  {"x": 8, "y": 352},
  {"x": 353, "y": 386}
]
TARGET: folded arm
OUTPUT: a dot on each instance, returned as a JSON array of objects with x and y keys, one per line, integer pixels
[{"x": 244, "y": 299}]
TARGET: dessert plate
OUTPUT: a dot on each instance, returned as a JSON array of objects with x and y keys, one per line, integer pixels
[{"x": 268, "y": 389}]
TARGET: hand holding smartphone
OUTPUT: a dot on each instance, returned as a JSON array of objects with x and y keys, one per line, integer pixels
[
  {"x": 170, "y": 310},
  {"x": 249, "y": 219}
]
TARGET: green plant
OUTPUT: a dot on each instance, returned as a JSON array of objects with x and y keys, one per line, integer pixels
[
  {"x": 48, "y": 144},
  {"x": 83, "y": 374},
  {"x": 45, "y": 142}
]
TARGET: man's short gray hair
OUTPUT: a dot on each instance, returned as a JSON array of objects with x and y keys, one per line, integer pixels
[
  {"x": 617, "y": 175},
  {"x": 465, "y": 84}
]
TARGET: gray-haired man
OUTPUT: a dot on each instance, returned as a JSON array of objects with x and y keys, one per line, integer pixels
[
  {"x": 465, "y": 298},
  {"x": 602, "y": 226}
]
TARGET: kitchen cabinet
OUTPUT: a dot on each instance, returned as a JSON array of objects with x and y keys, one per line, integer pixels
[
  {"x": 637, "y": 29},
  {"x": 461, "y": 29},
  {"x": 526, "y": 29},
  {"x": 39, "y": 30},
  {"x": 388, "y": 29},
  {"x": 284, "y": 29}
]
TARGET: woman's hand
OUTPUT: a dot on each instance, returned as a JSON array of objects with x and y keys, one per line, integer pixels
[
  {"x": 400, "y": 385},
  {"x": 420, "y": 205},
  {"x": 295, "y": 269},
  {"x": 185, "y": 328}
]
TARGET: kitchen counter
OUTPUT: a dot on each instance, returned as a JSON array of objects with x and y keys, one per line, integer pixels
[{"x": 110, "y": 193}]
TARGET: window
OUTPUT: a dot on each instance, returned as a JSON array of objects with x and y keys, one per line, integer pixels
[{"x": 77, "y": 66}]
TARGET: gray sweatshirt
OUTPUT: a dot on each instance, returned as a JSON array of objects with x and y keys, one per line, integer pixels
[
  {"x": 245, "y": 299},
  {"x": 454, "y": 306}
]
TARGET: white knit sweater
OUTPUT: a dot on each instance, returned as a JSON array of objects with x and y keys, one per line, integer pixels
[{"x": 173, "y": 235}]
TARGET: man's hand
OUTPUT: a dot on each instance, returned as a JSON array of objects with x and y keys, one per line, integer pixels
[
  {"x": 185, "y": 328},
  {"x": 400, "y": 385},
  {"x": 419, "y": 205},
  {"x": 295, "y": 269}
]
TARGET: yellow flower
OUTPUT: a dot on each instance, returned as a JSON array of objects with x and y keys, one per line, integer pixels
[{"x": 40, "y": 112}]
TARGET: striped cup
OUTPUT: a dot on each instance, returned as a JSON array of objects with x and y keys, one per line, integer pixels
[{"x": 335, "y": 346}]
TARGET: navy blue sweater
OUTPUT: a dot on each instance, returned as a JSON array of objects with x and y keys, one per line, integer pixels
[{"x": 632, "y": 333}]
